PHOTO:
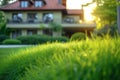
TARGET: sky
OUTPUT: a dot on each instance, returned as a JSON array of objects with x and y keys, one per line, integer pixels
[{"x": 76, "y": 4}]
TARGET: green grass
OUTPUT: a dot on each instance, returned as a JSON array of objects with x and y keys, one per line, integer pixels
[
  {"x": 96, "y": 59},
  {"x": 7, "y": 51}
]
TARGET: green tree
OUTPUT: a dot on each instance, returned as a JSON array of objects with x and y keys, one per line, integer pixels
[
  {"x": 55, "y": 26},
  {"x": 2, "y": 23},
  {"x": 105, "y": 12},
  {"x": 4, "y": 2}
]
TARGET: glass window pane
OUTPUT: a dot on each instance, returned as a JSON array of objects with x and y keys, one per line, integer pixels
[
  {"x": 32, "y": 17},
  {"x": 24, "y": 4},
  {"x": 47, "y": 17},
  {"x": 17, "y": 17},
  {"x": 38, "y": 3},
  {"x": 31, "y": 32}
]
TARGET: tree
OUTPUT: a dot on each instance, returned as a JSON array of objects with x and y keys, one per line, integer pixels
[
  {"x": 55, "y": 26},
  {"x": 4, "y": 2},
  {"x": 56, "y": 29},
  {"x": 105, "y": 12},
  {"x": 2, "y": 22}
]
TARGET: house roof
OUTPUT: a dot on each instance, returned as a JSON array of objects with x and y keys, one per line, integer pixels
[{"x": 50, "y": 5}]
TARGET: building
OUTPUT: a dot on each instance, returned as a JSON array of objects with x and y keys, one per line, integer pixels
[{"x": 24, "y": 17}]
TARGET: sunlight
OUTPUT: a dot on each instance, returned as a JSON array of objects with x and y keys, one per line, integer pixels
[
  {"x": 77, "y": 4},
  {"x": 88, "y": 12}
]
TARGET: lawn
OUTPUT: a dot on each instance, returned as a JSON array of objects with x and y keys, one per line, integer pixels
[
  {"x": 7, "y": 51},
  {"x": 4, "y": 52},
  {"x": 96, "y": 59}
]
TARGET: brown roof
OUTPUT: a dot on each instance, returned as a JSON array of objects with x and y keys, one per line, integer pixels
[
  {"x": 75, "y": 11},
  {"x": 50, "y": 5}
]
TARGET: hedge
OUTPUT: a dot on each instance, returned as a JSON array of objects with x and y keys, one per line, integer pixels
[
  {"x": 11, "y": 41},
  {"x": 40, "y": 39},
  {"x": 78, "y": 36}
]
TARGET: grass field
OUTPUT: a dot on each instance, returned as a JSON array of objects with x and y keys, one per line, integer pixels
[
  {"x": 7, "y": 51},
  {"x": 4, "y": 52},
  {"x": 96, "y": 59}
]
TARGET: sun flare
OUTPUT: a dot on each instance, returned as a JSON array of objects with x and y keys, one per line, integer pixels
[{"x": 77, "y": 4}]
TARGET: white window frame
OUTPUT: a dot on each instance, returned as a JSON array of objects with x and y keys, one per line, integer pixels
[
  {"x": 24, "y": 4},
  {"x": 38, "y": 3}
]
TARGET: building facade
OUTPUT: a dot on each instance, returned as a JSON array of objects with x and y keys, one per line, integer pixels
[{"x": 25, "y": 17}]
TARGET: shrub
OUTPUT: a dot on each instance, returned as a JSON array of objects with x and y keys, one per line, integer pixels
[
  {"x": 28, "y": 39},
  {"x": 40, "y": 39},
  {"x": 11, "y": 41},
  {"x": 3, "y": 37},
  {"x": 78, "y": 36},
  {"x": 59, "y": 39},
  {"x": 110, "y": 30},
  {"x": 85, "y": 60}
]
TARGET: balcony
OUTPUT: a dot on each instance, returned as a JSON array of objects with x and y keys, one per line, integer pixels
[{"x": 36, "y": 24}]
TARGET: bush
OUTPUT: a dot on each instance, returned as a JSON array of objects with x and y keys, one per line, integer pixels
[
  {"x": 78, "y": 36},
  {"x": 59, "y": 39},
  {"x": 11, "y": 41},
  {"x": 110, "y": 30},
  {"x": 40, "y": 39},
  {"x": 84, "y": 60},
  {"x": 3, "y": 37},
  {"x": 28, "y": 39}
]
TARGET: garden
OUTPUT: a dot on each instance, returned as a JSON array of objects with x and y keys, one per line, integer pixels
[
  {"x": 96, "y": 57},
  {"x": 90, "y": 59}
]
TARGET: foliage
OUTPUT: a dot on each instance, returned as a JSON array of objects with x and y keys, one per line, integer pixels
[
  {"x": 3, "y": 37},
  {"x": 2, "y": 20},
  {"x": 11, "y": 41},
  {"x": 5, "y": 2},
  {"x": 40, "y": 39},
  {"x": 59, "y": 39},
  {"x": 110, "y": 30},
  {"x": 4, "y": 52},
  {"x": 3, "y": 29},
  {"x": 78, "y": 36},
  {"x": 42, "y": 26},
  {"x": 28, "y": 39},
  {"x": 85, "y": 60},
  {"x": 105, "y": 12},
  {"x": 55, "y": 26}
]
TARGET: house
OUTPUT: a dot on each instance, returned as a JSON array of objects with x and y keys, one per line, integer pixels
[{"x": 24, "y": 17}]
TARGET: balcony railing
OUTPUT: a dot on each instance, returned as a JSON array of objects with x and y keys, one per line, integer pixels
[
  {"x": 24, "y": 22},
  {"x": 37, "y": 22}
]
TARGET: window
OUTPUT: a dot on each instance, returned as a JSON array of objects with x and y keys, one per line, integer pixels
[
  {"x": 16, "y": 33},
  {"x": 31, "y": 32},
  {"x": 60, "y": 1},
  {"x": 24, "y": 4},
  {"x": 32, "y": 17},
  {"x": 69, "y": 20},
  {"x": 38, "y": 3},
  {"x": 47, "y": 17},
  {"x": 47, "y": 32},
  {"x": 17, "y": 17}
]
